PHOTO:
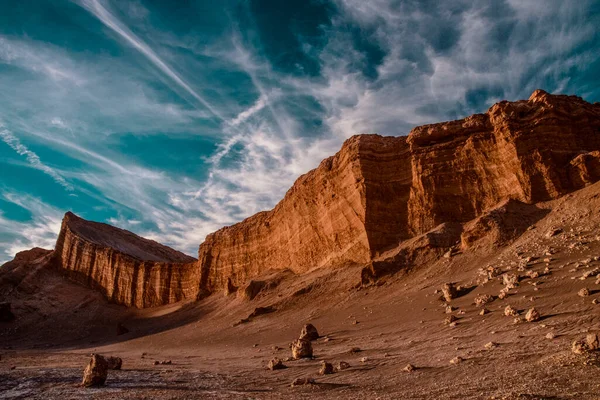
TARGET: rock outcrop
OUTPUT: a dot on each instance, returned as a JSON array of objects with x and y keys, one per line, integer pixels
[
  {"x": 126, "y": 268},
  {"x": 383, "y": 203},
  {"x": 365, "y": 204}
]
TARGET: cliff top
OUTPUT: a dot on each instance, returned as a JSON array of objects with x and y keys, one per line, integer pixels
[{"x": 123, "y": 241}]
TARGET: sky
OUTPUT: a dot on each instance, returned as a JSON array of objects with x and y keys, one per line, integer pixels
[{"x": 173, "y": 119}]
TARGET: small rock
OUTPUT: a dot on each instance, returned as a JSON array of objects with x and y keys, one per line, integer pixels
[
  {"x": 584, "y": 292},
  {"x": 276, "y": 364},
  {"x": 355, "y": 350},
  {"x": 449, "y": 291},
  {"x": 532, "y": 315},
  {"x": 550, "y": 335},
  {"x": 510, "y": 311},
  {"x": 409, "y": 368},
  {"x": 484, "y": 311},
  {"x": 510, "y": 281},
  {"x": 490, "y": 345},
  {"x": 456, "y": 360},
  {"x": 303, "y": 381},
  {"x": 591, "y": 340},
  {"x": 309, "y": 332},
  {"x": 553, "y": 232},
  {"x": 595, "y": 301},
  {"x": 449, "y": 309},
  {"x": 483, "y": 299},
  {"x": 364, "y": 359},
  {"x": 450, "y": 319},
  {"x": 96, "y": 371},
  {"x": 302, "y": 349},
  {"x": 342, "y": 365},
  {"x": 326, "y": 368},
  {"x": 533, "y": 274}
]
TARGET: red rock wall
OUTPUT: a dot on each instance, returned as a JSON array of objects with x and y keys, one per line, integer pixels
[
  {"x": 520, "y": 150},
  {"x": 122, "y": 278}
]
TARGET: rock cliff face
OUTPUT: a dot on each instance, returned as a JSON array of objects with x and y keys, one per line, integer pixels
[
  {"x": 384, "y": 203},
  {"x": 126, "y": 268},
  {"x": 380, "y": 191},
  {"x": 350, "y": 206}
]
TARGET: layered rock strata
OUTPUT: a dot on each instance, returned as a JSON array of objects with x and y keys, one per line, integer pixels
[
  {"x": 380, "y": 191},
  {"x": 126, "y": 268}
]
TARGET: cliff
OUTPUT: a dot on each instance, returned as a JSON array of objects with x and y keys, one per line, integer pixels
[
  {"x": 385, "y": 203},
  {"x": 126, "y": 268},
  {"x": 377, "y": 192},
  {"x": 342, "y": 212}
]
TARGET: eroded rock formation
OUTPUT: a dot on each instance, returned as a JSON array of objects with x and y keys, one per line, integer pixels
[
  {"x": 384, "y": 203},
  {"x": 379, "y": 193},
  {"x": 126, "y": 268}
]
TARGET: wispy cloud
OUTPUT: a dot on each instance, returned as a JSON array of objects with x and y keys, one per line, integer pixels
[
  {"x": 111, "y": 21},
  {"x": 33, "y": 158}
]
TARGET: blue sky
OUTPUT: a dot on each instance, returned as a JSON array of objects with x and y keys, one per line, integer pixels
[{"x": 175, "y": 118}]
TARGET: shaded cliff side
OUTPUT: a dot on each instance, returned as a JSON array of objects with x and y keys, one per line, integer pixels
[
  {"x": 377, "y": 192},
  {"x": 126, "y": 268}
]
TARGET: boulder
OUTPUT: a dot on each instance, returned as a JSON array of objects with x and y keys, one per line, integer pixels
[
  {"x": 96, "y": 371},
  {"x": 449, "y": 291},
  {"x": 309, "y": 332},
  {"x": 483, "y": 299},
  {"x": 591, "y": 341},
  {"x": 302, "y": 348},
  {"x": 532, "y": 315},
  {"x": 326, "y": 368},
  {"x": 276, "y": 364}
]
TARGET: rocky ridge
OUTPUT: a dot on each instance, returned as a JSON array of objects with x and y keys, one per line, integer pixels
[{"x": 383, "y": 203}]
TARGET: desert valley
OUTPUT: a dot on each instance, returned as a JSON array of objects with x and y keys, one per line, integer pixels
[{"x": 459, "y": 262}]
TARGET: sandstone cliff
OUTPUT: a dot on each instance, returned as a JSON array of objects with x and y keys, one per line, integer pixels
[
  {"x": 126, "y": 268},
  {"x": 380, "y": 191}
]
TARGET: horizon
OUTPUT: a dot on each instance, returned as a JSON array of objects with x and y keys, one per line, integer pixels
[{"x": 174, "y": 121}]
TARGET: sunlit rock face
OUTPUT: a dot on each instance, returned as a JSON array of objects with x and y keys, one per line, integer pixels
[
  {"x": 126, "y": 268},
  {"x": 378, "y": 191},
  {"x": 374, "y": 198}
]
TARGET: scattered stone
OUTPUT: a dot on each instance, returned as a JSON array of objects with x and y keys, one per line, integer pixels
[
  {"x": 490, "y": 345},
  {"x": 96, "y": 371},
  {"x": 533, "y": 274},
  {"x": 167, "y": 362},
  {"x": 584, "y": 292},
  {"x": 509, "y": 311},
  {"x": 456, "y": 360},
  {"x": 503, "y": 294},
  {"x": 309, "y": 332},
  {"x": 114, "y": 362},
  {"x": 364, "y": 359},
  {"x": 326, "y": 368},
  {"x": 449, "y": 291},
  {"x": 595, "y": 301},
  {"x": 591, "y": 340},
  {"x": 483, "y": 299},
  {"x": 550, "y": 335},
  {"x": 303, "y": 381},
  {"x": 450, "y": 319},
  {"x": 532, "y": 315},
  {"x": 510, "y": 280},
  {"x": 276, "y": 364},
  {"x": 409, "y": 368},
  {"x": 484, "y": 311},
  {"x": 6, "y": 315},
  {"x": 342, "y": 365},
  {"x": 449, "y": 309},
  {"x": 302, "y": 349}
]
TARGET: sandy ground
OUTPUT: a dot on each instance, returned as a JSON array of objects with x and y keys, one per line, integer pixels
[{"x": 44, "y": 352}]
